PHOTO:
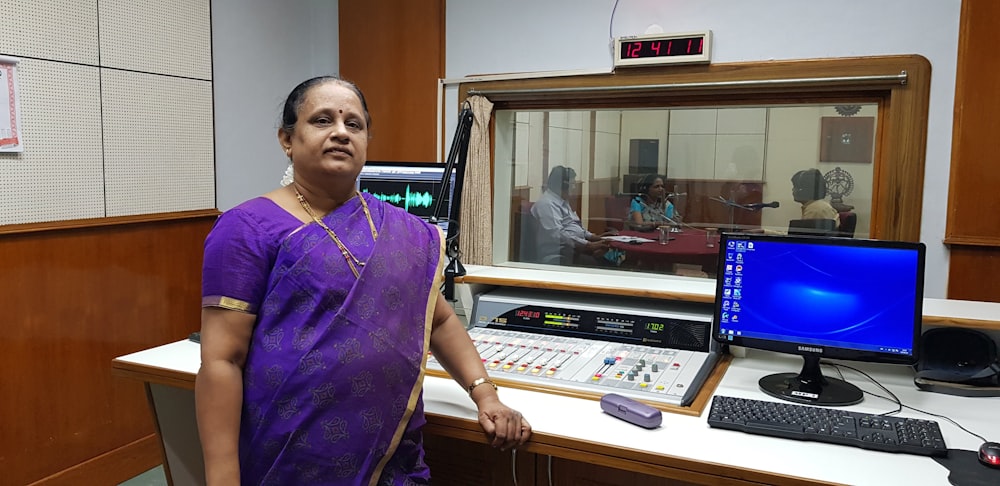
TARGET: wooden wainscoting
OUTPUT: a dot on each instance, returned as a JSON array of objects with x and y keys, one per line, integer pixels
[
  {"x": 73, "y": 300},
  {"x": 698, "y": 206},
  {"x": 598, "y": 219}
]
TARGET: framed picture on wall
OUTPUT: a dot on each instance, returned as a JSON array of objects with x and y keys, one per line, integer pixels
[
  {"x": 847, "y": 139},
  {"x": 10, "y": 112}
]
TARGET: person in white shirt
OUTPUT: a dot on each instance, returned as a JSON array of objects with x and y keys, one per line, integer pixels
[{"x": 561, "y": 237}]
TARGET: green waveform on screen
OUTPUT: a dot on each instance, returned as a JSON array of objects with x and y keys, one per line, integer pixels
[{"x": 414, "y": 199}]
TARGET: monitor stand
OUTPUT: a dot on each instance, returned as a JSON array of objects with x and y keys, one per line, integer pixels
[{"x": 810, "y": 387}]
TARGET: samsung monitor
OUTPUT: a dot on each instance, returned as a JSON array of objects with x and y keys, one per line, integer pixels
[
  {"x": 820, "y": 297},
  {"x": 413, "y": 186}
]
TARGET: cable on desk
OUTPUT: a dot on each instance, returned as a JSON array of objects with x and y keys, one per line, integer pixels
[
  {"x": 550, "y": 470},
  {"x": 894, "y": 399},
  {"x": 899, "y": 403},
  {"x": 513, "y": 465}
]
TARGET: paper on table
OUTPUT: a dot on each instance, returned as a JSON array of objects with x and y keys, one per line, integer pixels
[{"x": 628, "y": 239}]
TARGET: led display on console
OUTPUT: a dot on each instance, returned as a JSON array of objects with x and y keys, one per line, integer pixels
[{"x": 623, "y": 328}]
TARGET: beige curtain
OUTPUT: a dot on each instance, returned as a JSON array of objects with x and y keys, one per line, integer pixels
[{"x": 476, "y": 216}]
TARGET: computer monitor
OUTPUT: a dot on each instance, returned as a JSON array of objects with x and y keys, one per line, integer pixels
[
  {"x": 820, "y": 297},
  {"x": 413, "y": 186}
]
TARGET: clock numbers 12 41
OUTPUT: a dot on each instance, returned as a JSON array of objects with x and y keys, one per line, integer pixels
[{"x": 664, "y": 48}]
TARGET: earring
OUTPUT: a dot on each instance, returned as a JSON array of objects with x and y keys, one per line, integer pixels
[{"x": 289, "y": 176}]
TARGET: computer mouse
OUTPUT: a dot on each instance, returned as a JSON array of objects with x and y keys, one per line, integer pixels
[{"x": 989, "y": 454}]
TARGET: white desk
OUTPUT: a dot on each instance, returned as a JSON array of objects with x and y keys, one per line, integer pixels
[{"x": 681, "y": 443}]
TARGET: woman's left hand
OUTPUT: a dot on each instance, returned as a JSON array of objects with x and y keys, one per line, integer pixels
[{"x": 504, "y": 426}]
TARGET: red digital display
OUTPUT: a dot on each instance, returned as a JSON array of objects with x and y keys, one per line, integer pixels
[
  {"x": 527, "y": 314},
  {"x": 685, "y": 46}
]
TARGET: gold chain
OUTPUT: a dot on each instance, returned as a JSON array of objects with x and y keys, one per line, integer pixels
[{"x": 352, "y": 261}]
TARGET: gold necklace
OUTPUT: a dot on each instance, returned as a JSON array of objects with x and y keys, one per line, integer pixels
[{"x": 352, "y": 261}]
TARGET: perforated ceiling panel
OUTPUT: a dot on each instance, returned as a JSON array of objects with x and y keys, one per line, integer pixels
[
  {"x": 157, "y": 143},
  {"x": 63, "y": 30},
  {"x": 58, "y": 176},
  {"x": 167, "y": 37}
]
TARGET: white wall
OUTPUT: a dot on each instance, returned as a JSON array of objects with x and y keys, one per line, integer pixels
[
  {"x": 261, "y": 49},
  {"x": 574, "y": 35}
]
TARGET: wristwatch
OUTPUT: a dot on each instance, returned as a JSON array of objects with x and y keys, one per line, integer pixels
[{"x": 480, "y": 381}]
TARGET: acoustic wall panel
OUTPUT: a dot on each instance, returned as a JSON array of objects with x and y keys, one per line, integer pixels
[
  {"x": 173, "y": 38},
  {"x": 158, "y": 144},
  {"x": 58, "y": 30},
  {"x": 58, "y": 176}
]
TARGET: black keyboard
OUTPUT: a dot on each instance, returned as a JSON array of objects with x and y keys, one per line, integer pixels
[{"x": 831, "y": 425}]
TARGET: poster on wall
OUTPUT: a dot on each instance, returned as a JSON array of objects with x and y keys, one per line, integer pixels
[{"x": 11, "y": 139}]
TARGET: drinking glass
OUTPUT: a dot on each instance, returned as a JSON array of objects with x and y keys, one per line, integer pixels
[{"x": 711, "y": 234}]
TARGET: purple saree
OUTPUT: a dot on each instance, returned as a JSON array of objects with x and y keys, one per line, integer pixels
[{"x": 333, "y": 378}]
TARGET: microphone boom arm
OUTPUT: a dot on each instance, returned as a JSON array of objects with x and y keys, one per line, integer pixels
[{"x": 459, "y": 152}]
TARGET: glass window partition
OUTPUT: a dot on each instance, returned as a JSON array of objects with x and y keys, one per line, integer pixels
[{"x": 661, "y": 184}]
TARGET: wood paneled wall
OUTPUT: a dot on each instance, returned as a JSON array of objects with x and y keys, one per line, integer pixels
[
  {"x": 73, "y": 300},
  {"x": 394, "y": 51},
  {"x": 973, "y": 227}
]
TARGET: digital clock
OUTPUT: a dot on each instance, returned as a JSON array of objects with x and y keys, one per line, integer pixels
[{"x": 653, "y": 49}]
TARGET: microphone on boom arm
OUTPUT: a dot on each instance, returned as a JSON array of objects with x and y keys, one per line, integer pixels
[
  {"x": 759, "y": 206},
  {"x": 456, "y": 155},
  {"x": 746, "y": 207}
]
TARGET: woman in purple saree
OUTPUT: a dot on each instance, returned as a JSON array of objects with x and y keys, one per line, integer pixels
[{"x": 320, "y": 307}]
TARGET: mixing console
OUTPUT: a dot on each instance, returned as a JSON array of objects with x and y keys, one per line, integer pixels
[{"x": 584, "y": 344}]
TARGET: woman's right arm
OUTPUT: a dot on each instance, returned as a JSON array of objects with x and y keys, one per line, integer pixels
[
  {"x": 637, "y": 219},
  {"x": 225, "y": 339}
]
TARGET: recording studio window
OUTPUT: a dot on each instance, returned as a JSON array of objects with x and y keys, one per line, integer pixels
[{"x": 666, "y": 181}]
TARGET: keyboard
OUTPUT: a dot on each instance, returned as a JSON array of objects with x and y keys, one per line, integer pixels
[{"x": 830, "y": 425}]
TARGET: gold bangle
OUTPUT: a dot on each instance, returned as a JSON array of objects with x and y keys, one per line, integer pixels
[{"x": 480, "y": 381}]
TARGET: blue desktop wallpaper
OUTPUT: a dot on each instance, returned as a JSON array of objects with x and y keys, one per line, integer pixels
[{"x": 845, "y": 296}]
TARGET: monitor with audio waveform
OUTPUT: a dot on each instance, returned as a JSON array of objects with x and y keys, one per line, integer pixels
[{"x": 413, "y": 186}]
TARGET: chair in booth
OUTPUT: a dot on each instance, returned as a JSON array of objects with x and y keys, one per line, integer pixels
[
  {"x": 616, "y": 210},
  {"x": 527, "y": 238},
  {"x": 814, "y": 227},
  {"x": 848, "y": 222}
]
